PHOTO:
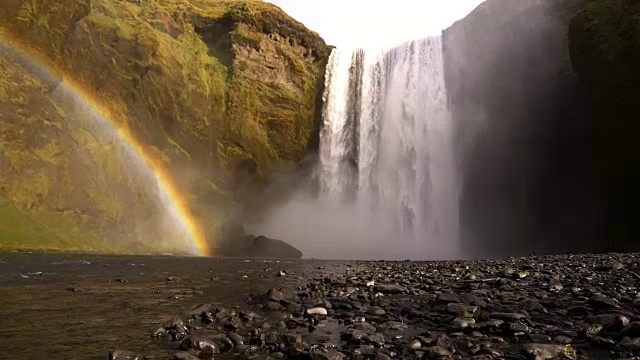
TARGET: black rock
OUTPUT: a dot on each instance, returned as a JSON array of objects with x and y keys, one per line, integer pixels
[
  {"x": 631, "y": 330},
  {"x": 325, "y": 354},
  {"x": 525, "y": 317},
  {"x": 200, "y": 343},
  {"x": 273, "y": 295},
  {"x": 259, "y": 247},
  {"x": 448, "y": 297},
  {"x": 603, "y": 302},
  {"x": 390, "y": 289},
  {"x": 184, "y": 355}
]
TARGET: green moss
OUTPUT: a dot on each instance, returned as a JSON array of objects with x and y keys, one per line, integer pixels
[
  {"x": 30, "y": 190},
  {"x": 183, "y": 77},
  {"x": 263, "y": 18},
  {"x": 245, "y": 37},
  {"x": 34, "y": 230},
  {"x": 107, "y": 203}
]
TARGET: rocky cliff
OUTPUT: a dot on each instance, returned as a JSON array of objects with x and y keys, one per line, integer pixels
[
  {"x": 605, "y": 52},
  {"x": 219, "y": 93},
  {"x": 525, "y": 134}
]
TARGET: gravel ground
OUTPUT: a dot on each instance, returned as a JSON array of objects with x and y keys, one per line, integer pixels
[
  {"x": 57, "y": 306},
  {"x": 555, "y": 307}
]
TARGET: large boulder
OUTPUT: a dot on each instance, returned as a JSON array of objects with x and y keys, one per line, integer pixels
[
  {"x": 237, "y": 243},
  {"x": 262, "y": 246},
  {"x": 259, "y": 247}
]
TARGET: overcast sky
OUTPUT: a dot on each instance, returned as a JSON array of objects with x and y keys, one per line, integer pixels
[{"x": 376, "y": 23}]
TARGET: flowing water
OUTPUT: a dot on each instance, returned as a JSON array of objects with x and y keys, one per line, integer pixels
[{"x": 386, "y": 150}]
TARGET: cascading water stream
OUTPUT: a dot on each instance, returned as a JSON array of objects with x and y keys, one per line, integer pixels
[
  {"x": 386, "y": 149},
  {"x": 387, "y": 176}
]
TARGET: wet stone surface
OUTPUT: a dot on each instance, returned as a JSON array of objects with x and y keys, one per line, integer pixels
[{"x": 556, "y": 307}]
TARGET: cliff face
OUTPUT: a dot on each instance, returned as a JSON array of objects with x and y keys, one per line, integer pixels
[
  {"x": 525, "y": 135},
  {"x": 605, "y": 52},
  {"x": 221, "y": 93}
]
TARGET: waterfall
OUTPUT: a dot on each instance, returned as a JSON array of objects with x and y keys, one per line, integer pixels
[
  {"x": 386, "y": 150},
  {"x": 387, "y": 184}
]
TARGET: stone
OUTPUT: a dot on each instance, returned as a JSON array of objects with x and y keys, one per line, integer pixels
[
  {"x": 487, "y": 325},
  {"x": 236, "y": 339},
  {"x": 272, "y": 295},
  {"x": 376, "y": 310},
  {"x": 522, "y": 319},
  {"x": 609, "y": 321},
  {"x": 377, "y": 339},
  {"x": 326, "y": 355},
  {"x": 531, "y": 305},
  {"x": 556, "y": 286},
  {"x": 317, "y": 311},
  {"x": 507, "y": 316},
  {"x": 461, "y": 310},
  {"x": 199, "y": 309},
  {"x": 380, "y": 356},
  {"x": 448, "y": 297},
  {"x": 200, "y": 343},
  {"x": 632, "y": 344},
  {"x": 438, "y": 352},
  {"x": 548, "y": 351},
  {"x": 591, "y": 330},
  {"x": 184, "y": 355},
  {"x": 603, "y": 302},
  {"x": 462, "y": 323},
  {"x": 389, "y": 289},
  {"x": 264, "y": 247},
  {"x": 631, "y": 330},
  {"x": 516, "y": 327}
]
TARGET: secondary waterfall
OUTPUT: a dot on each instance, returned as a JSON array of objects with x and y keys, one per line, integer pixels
[{"x": 386, "y": 150}]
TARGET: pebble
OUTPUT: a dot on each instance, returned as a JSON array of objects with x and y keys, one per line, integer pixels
[
  {"x": 317, "y": 311},
  {"x": 461, "y": 323},
  {"x": 517, "y": 308}
]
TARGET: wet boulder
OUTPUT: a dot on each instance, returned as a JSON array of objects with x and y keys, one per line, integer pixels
[{"x": 259, "y": 247}]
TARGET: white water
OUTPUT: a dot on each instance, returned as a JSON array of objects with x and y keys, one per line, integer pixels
[
  {"x": 387, "y": 151},
  {"x": 388, "y": 182}
]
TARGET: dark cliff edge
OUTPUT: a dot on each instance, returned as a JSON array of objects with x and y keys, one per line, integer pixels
[
  {"x": 525, "y": 133},
  {"x": 605, "y": 53}
]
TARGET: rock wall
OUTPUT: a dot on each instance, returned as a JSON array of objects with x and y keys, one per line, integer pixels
[
  {"x": 525, "y": 134},
  {"x": 221, "y": 92},
  {"x": 605, "y": 52}
]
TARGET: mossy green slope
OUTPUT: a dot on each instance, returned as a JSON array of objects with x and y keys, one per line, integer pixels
[
  {"x": 605, "y": 52},
  {"x": 222, "y": 92},
  {"x": 46, "y": 197}
]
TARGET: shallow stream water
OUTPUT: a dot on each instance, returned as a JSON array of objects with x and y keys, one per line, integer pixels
[{"x": 73, "y": 306}]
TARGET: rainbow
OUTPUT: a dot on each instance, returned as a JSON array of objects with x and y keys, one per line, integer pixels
[{"x": 175, "y": 203}]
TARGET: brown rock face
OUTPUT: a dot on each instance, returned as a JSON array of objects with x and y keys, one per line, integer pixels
[{"x": 220, "y": 93}]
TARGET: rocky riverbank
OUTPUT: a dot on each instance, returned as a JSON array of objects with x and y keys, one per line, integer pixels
[{"x": 553, "y": 307}]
